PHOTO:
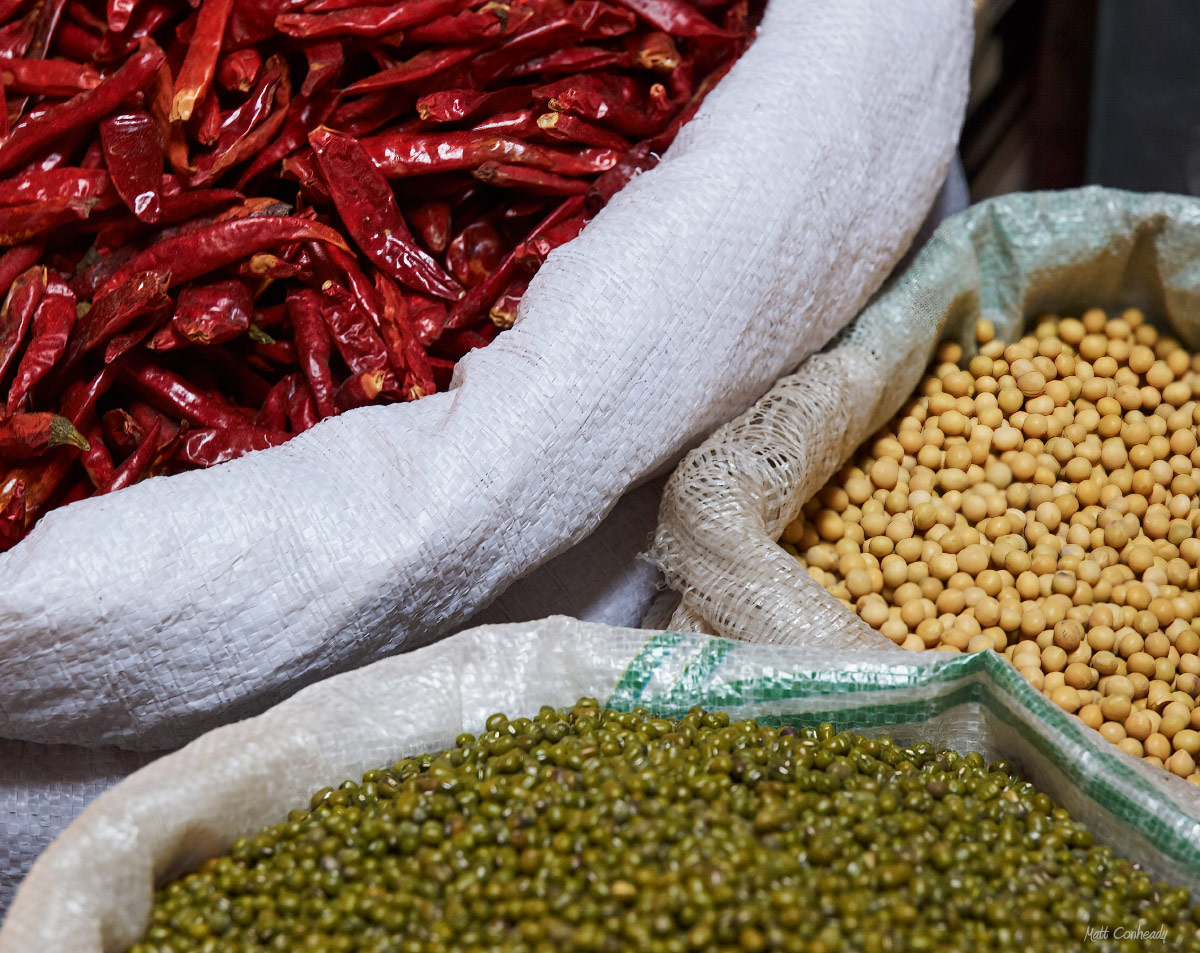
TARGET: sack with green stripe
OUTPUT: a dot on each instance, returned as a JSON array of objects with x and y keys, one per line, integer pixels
[{"x": 91, "y": 891}]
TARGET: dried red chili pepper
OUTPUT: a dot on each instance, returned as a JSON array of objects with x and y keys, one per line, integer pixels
[
  {"x": 402, "y": 154},
  {"x": 504, "y": 311},
  {"x": 47, "y": 77},
  {"x": 424, "y": 64},
  {"x": 14, "y": 261},
  {"x": 573, "y": 129},
  {"x": 272, "y": 415},
  {"x": 518, "y": 124},
  {"x": 390, "y": 322},
  {"x": 80, "y": 398},
  {"x": 36, "y": 134},
  {"x": 585, "y": 19},
  {"x": 121, "y": 431},
  {"x": 359, "y": 390},
  {"x": 175, "y": 207},
  {"x": 167, "y": 338},
  {"x": 12, "y": 517},
  {"x": 302, "y": 167},
  {"x": 454, "y": 345},
  {"x": 427, "y": 320},
  {"x": 133, "y": 154},
  {"x": 119, "y": 12},
  {"x": 23, "y": 436},
  {"x": 325, "y": 60},
  {"x": 368, "y": 208},
  {"x": 114, "y": 311},
  {"x": 533, "y": 251},
  {"x": 77, "y": 11},
  {"x": 196, "y": 74},
  {"x": 266, "y": 265},
  {"x": 461, "y": 27},
  {"x": 362, "y": 115},
  {"x": 37, "y": 185},
  {"x": 574, "y": 60},
  {"x": 356, "y": 340},
  {"x": 333, "y": 264},
  {"x": 205, "y": 124},
  {"x": 9, "y": 8},
  {"x": 51, "y": 328},
  {"x": 478, "y": 300},
  {"x": 48, "y": 16},
  {"x": 314, "y": 346},
  {"x": 677, "y": 17},
  {"x": 250, "y": 126},
  {"x": 273, "y": 354},
  {"x": 536, "y": 181},
  {"x": 171, "y": 393},
  {"x": 16, "y": 37},
  {"x": 16, "y": 316},
  {"x": 146, "y": 417},
  {"x": 19, "y": 223},
  {"x": 207, "y": 448},
  {"x": 432, "y": 222},
  {"x": 475, "y": 252},
  {"x": 303, "y": 114},
  {"x": 655, "y": 51},
  {"x": 645, "y": 154},
  {"x": 452, "y": 105},
  {"x": 135, "y": 466},
  {"x": 238, "y": 70},
  {"x": 366, "y": 21},
  {"x": 210, "y": 314},
  {"x": 193, "y": 254},
  {"x": 76, "y": 43},
  {"x": 135, "y": 333},
  {"x": 97, "y": 462},
  {"x": 302, "y": 409},
  {"x": 328, "y": 6},
  {"x": 619, "y": 102}
]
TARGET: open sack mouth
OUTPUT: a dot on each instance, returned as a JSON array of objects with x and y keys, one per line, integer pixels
[{"x": 694, "y": 789}]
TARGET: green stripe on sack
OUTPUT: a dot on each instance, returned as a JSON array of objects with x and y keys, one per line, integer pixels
[
  {"x": 641, "y": 669},
  {"x": 985, "y": 679},
  {"x": 698, "y": 672}
]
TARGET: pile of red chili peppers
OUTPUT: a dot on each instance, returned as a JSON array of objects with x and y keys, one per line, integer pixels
[{"x": 226, "y": 220}]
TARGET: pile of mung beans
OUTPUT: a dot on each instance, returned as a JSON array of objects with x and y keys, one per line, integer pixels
[
  {"x": 587, "y": 829},
  {"x": 1040, "y": 501}
]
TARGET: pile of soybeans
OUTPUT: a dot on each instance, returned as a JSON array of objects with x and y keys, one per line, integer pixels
[{"x": 1040, "y": 502}]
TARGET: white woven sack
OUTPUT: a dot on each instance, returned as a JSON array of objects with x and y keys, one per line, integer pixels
[
  {"x": 1006, "y": 259},
  {"x": 91, "y": 891},
  {"x": 143, "y": 618},
  {"x": 600, "y": 579}
]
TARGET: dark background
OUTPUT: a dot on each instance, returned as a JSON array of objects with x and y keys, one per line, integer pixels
[{"x": 1073, "y": 92}]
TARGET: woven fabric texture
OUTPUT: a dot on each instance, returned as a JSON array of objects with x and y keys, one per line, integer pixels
[
  {"x": 144, "y": 618},
  {"x": 91, "y": 891}
]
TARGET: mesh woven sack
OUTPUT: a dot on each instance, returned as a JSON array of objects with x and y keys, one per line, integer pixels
[
  {"x": 92, "y": 890},
  {"x": 1006, "y": 259},
  {"x": 142, "y": 618}
]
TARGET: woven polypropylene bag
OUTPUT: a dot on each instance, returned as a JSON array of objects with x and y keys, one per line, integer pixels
[
  {"x": 91, "y": 891},
  {"x": 1006, "y": 259},
  {"x": 143, "y": 618}
]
